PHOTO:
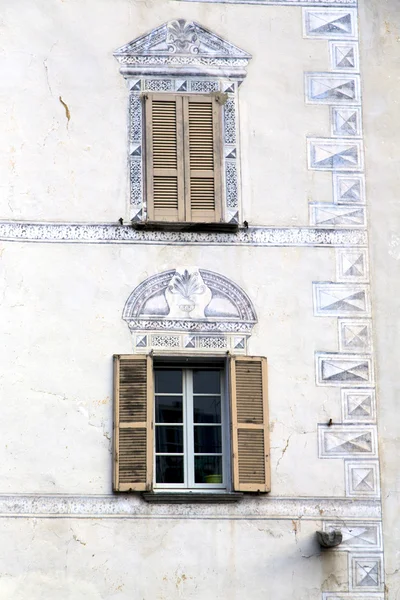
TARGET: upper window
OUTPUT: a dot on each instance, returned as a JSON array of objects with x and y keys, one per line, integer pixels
[
  {"x": 184, "y": 147},
  {"x": 200, "y": 427},
  {"x": 183, "y": 157}
]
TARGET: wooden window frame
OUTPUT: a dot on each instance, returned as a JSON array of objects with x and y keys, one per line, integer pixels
[
  {"x": 188, "y": 437},
  {"x": 183, "y": 171},
  {"x": 237, "y": 424}
]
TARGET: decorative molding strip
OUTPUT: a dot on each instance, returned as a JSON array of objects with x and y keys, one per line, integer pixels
[
  {"x": 319, "y": 3},
  {"x": 106, "y": 233},
  {"x": 131, "y": 506}
]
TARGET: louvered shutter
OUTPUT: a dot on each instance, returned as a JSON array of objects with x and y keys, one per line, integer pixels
[
  {"x": 133, "y": 416},
  {"x": 164, "y": 157},
  {"x": 250, "y": 433},
  {"x": 202, "y": 123}
]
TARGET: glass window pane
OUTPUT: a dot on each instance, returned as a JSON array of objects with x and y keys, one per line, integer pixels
[
  {"x": 208, "y": 469},
  {"x": 207, "y": 439},
  {"x": 206, "y": 381},
  {"x": 168, "y": 381},
  {"x": 169, "y": 469},
  {"x": 169, "y": 409},
  {"x": 207, "y": 409},
  {"x": 169, "y": 439}
]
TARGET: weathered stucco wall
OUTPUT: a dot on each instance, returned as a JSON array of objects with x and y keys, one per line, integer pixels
[
  {"x": 62, "y": 304},
  {"x": 380, "y": 41}
]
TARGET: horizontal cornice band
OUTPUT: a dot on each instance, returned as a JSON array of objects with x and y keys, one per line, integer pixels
[
  {"x": 133, "y": 506},
  {"x": 105, "y": 233}
]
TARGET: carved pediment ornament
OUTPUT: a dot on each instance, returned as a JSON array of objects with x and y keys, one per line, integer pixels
[
  {"x": 182, "y": 47},
  {"x": 189, "y": 298}
]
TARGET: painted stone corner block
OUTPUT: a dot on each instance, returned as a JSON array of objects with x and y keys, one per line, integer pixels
[
  {"x": 332, "y": 88},
  {"x": 324, "y": 214},
  {"x": 344, "y": 56},
  {"x": 352, "y": 265},
  {"x": 341, "y": 300},
  {"x": 347, "y": 441},
  {"x": 366, "y": 536},
  {"x": 330, "y": 23},
  {"x": 339, "y": 369},
  {"x": 348, "y": 188},
  {"x": 355, "y": 335},
  {"x": 329, "y": 154},
  {"x": 358, "y": 405},
  {"x": 366, "y": 572},
  {"x": 346, "y": 122},
  {"x": 362, "y": 478}
]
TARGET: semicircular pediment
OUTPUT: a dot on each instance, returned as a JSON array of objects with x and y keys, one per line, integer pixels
[{"x": 188, "y": 298}]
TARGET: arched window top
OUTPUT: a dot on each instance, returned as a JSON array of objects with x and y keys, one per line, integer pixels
[{"x": 194, "y": 301}]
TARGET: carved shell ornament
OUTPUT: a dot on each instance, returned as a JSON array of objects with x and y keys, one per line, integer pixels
[
  {"x": 182, "y": 37},
  {"x": 187, "y": 285}
]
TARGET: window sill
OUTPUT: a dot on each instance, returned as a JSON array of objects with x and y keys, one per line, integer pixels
[
  {"x": 175, "y": 226},
  {"x": 191, "y": 497}
]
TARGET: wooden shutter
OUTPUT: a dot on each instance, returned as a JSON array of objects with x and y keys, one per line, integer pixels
[
  {"x": 202, "y": 139},
  {"x": 133, "y": 422},
  {"x": 164, "y": 157},
  {"x": 250, "y": 433}
]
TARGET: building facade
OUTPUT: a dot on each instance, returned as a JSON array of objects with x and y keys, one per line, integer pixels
[{"x": 198, "y": 245}]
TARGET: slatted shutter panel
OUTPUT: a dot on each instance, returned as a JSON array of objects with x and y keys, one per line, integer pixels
[
  {"x": 133, "y": 428},
  {"x": 164, "y": 157},
  {"x": 202, "y": 123},
  {"x": 250, "y": 433}
]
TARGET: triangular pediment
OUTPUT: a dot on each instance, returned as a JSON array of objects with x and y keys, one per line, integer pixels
[{"x": 181, "y": 37}]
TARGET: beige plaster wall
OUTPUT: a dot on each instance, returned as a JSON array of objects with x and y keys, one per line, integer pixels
[
  {"x": 62, "y": 323},
  {"x": 164, "y": 559},
  {"x": 380, "y": 53},
  {"x": 61, "y": 307},
  {"x": 59, "y": 167}
]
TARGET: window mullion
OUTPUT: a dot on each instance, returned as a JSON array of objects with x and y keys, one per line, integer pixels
[{"x": 190, "y": 428}]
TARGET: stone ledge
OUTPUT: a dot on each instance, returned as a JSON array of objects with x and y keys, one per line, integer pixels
[
  {"x": 191, "y": 498},
  {"x": 110, "y": 233}
]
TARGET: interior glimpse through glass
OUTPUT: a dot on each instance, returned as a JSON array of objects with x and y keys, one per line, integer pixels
[{"x": 188, "y": 427}]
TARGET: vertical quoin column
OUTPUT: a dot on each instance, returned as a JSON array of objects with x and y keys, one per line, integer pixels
[{"x": 349, "y": 366}]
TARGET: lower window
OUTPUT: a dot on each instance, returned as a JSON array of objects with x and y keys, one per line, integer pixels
[{"x": 189, "y": 421}]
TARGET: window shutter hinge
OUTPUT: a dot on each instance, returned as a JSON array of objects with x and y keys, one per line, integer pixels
[{"x": 220, "y": 97}]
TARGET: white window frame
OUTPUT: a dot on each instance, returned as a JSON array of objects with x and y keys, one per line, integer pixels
[{"x": 188, "y": 435}]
